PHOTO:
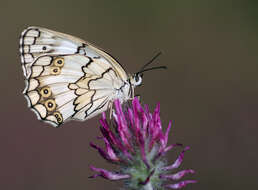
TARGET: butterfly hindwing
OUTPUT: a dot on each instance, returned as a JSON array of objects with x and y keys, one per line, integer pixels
[{"x": 66, "y": 87}]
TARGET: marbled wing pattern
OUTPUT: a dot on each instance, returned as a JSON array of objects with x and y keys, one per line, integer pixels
[{"x": 66, "y": 77}]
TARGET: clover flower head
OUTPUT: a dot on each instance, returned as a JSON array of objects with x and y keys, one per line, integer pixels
[{"x": 135, "y": 142}]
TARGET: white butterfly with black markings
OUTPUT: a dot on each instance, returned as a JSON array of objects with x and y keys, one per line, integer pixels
[{"x": 69, "y": 78}]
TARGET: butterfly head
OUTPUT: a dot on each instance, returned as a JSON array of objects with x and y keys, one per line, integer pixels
[{"x": 136, "y": 79}]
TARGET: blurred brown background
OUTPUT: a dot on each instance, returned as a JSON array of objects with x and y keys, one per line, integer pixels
[{"x": 210, "y": 88}]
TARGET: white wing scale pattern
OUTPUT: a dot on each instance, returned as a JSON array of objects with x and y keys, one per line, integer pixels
[{"x": 67, "y": 78}]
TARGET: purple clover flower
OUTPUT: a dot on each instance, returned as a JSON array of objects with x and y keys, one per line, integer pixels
[{"x": 134, "y": 140}]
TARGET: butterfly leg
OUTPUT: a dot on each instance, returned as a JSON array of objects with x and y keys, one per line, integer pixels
[
  {"x": 110, "y": 109},
  {"x": 132, "y": 95}
]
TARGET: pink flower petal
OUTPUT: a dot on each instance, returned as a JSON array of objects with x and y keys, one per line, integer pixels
[
  {"x": 103, "y": 153},
  {"x": 168, "y": 148},
  {"x": 177, "y": 175},
  {"x": 163, "y": 152},
  {"x": 107, "y": 133},
  {"x": 110, "y": 151},
  {"x": 121, "y": 120},
  {"x": 180, "y": 184},
  {"x": 178, "y": 161},
  {"x": 166, "y": 134},
  {"x": 142, "y": 148},
  {"x": 105, "y": 130},
  {"x": 107, "y": 174},
  {"x": 136, "y": 123}
]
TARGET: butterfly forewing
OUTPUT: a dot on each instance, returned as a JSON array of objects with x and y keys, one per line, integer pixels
[
  {"x": 37, "y": 41},
  {"x": 66, "y": 77}
]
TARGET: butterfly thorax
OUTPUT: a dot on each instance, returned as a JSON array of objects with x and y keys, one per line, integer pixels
[{"x": 124, "y": 90}]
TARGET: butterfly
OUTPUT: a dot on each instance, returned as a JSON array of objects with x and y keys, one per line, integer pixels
[{"x": 68, "y": 78}]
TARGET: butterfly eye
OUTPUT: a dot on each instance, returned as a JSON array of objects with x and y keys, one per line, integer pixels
[
  {"x": 50, "y": 105},
  {"x": 55, "y": 70},
  {"x": 58, "y": 117},
  {"x": 138, "y": 80},
  {"x": 59, "y": 62},
  {"x": 45, "y": 92}
]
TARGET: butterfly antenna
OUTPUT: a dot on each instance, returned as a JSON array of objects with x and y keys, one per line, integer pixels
[
  {"x": 149, "y": 62},
  {"x": 152, "y": 68},
  {"x": 142, "y": 70}
]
